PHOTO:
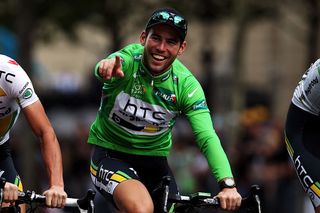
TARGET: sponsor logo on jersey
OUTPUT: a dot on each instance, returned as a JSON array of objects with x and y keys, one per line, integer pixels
[
  {"x": 8, "y": 77},
  {"x": 311, "y": 187},
  {"x": 200, "y": 105},
  {"x": 24, "y": 87},
  {"x": 165, "y": 95},
  {"x": 193, "y": 92},
  {"x": 138, "y": 89},
  {"x": 312, "y": 83},
  {"x": 139, "y": 117},
  {"x": 11, "y": 61},
  {"x": 28, "y": 93}
]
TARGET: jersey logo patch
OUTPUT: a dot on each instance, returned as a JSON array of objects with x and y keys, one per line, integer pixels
[
  {"x": 192, "y": 93},
  {"x": 166, "y": 95},
  {"x": 28, "y": 93},
  {"x": 200, "y": 105},
  {"x": 139, "y": 117},
  {"x": 13, "y": 62}
]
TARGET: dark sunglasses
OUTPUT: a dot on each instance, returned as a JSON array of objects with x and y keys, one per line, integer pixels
[{"x": 163, "y": 17}]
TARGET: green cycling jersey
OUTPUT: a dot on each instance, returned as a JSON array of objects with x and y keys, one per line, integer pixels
[{"x": 138, "y": 111}]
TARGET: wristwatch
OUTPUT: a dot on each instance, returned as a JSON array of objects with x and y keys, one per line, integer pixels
[{"x": 227, "y": 183}]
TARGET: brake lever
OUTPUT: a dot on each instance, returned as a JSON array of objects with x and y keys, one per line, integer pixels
[{"x": 253, "y": 198}]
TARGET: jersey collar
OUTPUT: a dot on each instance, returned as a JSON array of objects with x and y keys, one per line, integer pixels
[{"x": 156, "y": 78}]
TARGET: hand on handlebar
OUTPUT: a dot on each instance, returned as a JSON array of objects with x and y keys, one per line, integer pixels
[
  {"x": 55, "y": 197},
  {"x": 10, "y": 192},
  {"x": 229, "y": 199}
]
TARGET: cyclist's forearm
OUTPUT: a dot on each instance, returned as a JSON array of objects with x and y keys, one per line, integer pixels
[
  {"x": 217, "y": 158},
  {"x": 50, "y": 148},
  {"x": 52, "y": 159},
  {"x": 209, "y": 144}
]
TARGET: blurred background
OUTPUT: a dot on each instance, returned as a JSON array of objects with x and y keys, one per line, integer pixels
[{"x": 248, "y": 55}]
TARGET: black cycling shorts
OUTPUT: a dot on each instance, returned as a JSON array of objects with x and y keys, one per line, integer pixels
[
  {"x": 302, "y": 131},
  {"x": 7, "y": 168},
  {"x": 109, "y": 168}
]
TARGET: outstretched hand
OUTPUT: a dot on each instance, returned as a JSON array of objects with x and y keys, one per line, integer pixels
[{"x": 111, "y": 68}]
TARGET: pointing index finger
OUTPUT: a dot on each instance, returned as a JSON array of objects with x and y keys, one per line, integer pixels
[{"x": 117, "y": 69}]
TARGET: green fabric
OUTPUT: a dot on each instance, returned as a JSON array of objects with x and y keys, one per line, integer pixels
[{"x": 137, "y": 112}]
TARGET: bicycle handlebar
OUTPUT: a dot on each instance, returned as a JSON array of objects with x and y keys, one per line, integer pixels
[
  {"x": 203, "y": 199},
  {"x": 84, "y": 204}
]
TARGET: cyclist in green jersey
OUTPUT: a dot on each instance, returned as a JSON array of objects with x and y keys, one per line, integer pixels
[{"x": 145, "y": 88}]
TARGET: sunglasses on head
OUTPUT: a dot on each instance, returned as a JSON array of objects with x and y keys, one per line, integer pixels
[{"x": 163, "y": 17}]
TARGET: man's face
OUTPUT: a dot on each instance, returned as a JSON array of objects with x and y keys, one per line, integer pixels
[{"x": 161, "y": 47}]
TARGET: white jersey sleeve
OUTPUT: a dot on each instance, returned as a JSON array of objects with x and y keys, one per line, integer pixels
[{"x": 307, "y": 93}]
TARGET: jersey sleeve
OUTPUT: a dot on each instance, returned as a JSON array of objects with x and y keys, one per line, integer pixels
[
  {"x": 193, "y": 99},
  {"x": 210, "y": 145},
  {"x": 20, "y": 87},
  {"x": 194, "y": 106}
]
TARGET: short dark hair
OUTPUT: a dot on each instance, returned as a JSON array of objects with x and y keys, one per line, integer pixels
[{"x": 170, "y": 17}]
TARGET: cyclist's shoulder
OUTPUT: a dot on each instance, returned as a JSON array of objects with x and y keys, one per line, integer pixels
[
  {"x": 130, "y": 55},
  {"x": 180, "y": 68},
  {"x": 133, "y": 50},
  {"x": 8, "y": 64},
  {"x": 11, "y": 72},
  {"x": 183, "y": 74},
  {"x": 316, "y": 63},
  {"x": 314, "y": 69}
]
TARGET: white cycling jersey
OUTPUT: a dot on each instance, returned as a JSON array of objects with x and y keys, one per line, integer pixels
[
  {"x": 16, "y": 92},
  {"x": 307, "y": 94}
]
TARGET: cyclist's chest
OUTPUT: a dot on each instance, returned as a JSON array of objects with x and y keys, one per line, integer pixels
[
  {"x": 8, "y": 105},
  {"x": 156, "y": 92},
  {"x": 142, "y": 104}
]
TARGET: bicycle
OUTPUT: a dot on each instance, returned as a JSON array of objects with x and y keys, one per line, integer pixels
[
  {"x": 31, "y": 198},
  {"x": 202, "y": 200}
]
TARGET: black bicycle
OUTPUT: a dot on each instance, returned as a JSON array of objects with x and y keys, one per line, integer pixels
[
  {"x": 34, "y": 200},
  {"x": 203, "y": 201}
]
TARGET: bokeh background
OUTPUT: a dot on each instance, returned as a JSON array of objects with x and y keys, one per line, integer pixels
[{"x": 248, "y": 55}]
